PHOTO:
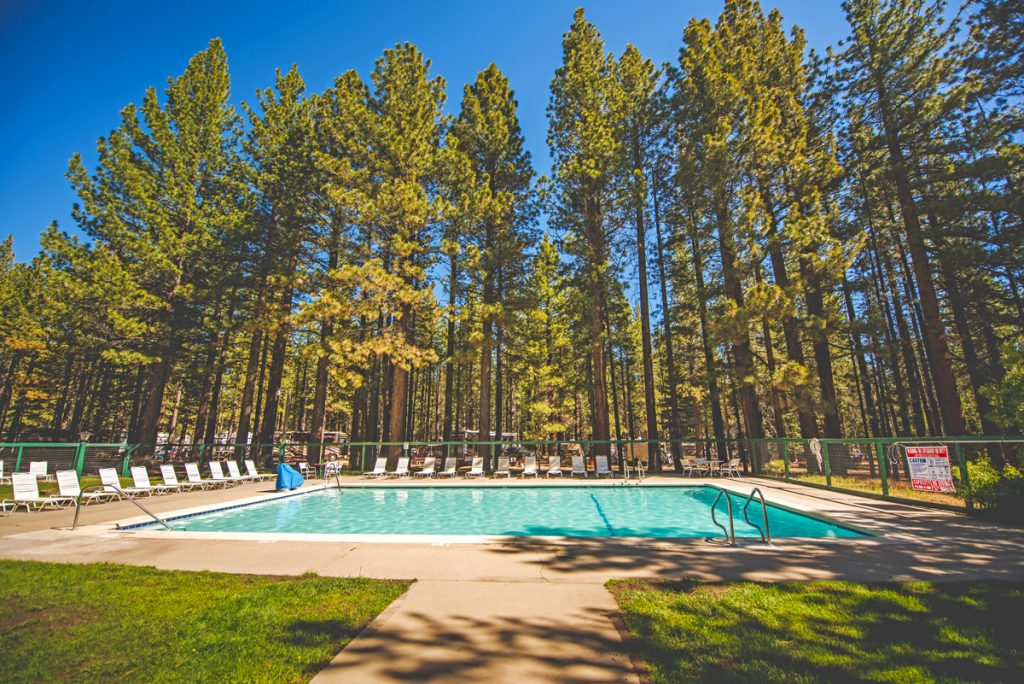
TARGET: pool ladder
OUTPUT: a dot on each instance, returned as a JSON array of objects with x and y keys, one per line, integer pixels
[
  {"x": 729, "y": 534},
  {"x": 121, "y": 492}
]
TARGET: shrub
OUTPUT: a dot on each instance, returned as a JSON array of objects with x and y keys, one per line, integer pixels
[{"x": 1000, "y": 493}]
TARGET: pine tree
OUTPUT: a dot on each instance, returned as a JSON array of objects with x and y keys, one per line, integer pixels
[
  {"x": 487, "y": 132},
  {"x": 897, "y": 69},
  {"x": 585, "y": 96},
  {"x": 639, "y": 83},
  {"x": 164, "y": 195}
]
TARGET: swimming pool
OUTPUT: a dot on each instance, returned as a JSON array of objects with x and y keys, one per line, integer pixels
[{"x": 554, "y": 511}]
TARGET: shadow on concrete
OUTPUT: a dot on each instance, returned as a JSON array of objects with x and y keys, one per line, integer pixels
[{"x": 459, "y": 647}]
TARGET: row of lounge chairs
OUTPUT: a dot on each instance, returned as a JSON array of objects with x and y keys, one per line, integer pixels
[
  {"x": 450, "y": 469},
  {"x": 26, "y": 485}
]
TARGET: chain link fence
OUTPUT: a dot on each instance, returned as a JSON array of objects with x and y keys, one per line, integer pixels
[{"x": 877, "y": 467}]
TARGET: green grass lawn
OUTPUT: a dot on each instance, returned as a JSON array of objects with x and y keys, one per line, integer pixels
[
  {"x": 826, "y": 631},
  {"x": 100, "y": 623}
]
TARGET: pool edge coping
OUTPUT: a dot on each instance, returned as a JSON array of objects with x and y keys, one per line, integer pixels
[{"x": 142, "y": 526}]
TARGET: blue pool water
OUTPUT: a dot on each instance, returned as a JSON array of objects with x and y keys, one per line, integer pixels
[{"x": 516, "y": 511}]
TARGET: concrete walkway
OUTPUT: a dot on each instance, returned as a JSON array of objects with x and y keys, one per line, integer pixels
[{"x": 533, "y": 610}]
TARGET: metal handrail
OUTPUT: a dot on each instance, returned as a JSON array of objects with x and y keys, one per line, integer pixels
[
  {"x": 766, "y": 533},
  {"x": 78, "y": 503},
  {"x": 730, "y": 534}
]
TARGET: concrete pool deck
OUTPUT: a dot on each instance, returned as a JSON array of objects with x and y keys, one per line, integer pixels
[{"x": 532, "y": 609}]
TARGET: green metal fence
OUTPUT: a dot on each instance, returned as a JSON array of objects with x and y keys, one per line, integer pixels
[{"x": 871, "y": 466}]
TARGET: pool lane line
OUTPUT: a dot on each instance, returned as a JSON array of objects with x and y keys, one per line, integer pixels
[{"x": 600, "y": 512}]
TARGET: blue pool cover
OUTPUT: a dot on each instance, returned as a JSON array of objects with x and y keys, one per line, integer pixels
[{"x": 288, "y": 477}]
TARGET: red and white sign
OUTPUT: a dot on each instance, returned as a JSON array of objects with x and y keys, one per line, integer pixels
[{"x": 929, "y": 468}]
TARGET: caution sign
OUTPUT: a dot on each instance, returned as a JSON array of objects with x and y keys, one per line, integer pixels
[{"x": 929, "y": 468}]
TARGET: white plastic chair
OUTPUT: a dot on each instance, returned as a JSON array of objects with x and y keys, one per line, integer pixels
[
  {"x": 38, "y": 469},
  {"x": 67, "y": 481},
  {"x": 402, "y": 469},
  {"x": 3, "y": 478},
  {"x": 196, "y": 478},
  {"x": 26, "y": 494},
  {"x": 601, "y": 466},
  {"x": 530, "y": 466},
  {"x": 732, "y": 468},
  {"x": 450, "y": 467},
  {"x": 250, "y": 468},
  {"x": 554, "y": 466},
  {"x": 579, "y": 466},
  {"x": 236, "y": 474},
  {"x": 478, "y": 467},
  {"x": 429, "y": 466},
  {"x": 170, "y": 478},
  {"x": 140, "y": 480},
  {"x": 112, "y": 483},
  {"x": 217, "y": 473},
  {"x": 380, "y": 467},
  {"x": 502, "y": 469}
]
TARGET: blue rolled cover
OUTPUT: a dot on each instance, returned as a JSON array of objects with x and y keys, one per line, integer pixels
[{"x": 288, "y": 477}]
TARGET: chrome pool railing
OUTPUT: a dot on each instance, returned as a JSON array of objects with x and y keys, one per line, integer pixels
[
  {"x": 730, "y": 534},
  {"x": 78, "y": 504},
  {"x": 766, "y": 533}
]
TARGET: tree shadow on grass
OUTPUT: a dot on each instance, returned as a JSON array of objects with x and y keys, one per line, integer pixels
[{"x": 692, "y": 631}]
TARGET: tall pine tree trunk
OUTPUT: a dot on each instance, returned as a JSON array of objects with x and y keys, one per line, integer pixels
[
  {"x": 743, "y": 357},
  {"x": 645, "y": 333},
  {"x": 670, "y": 364},
  {"x": 940, "y": 360}
]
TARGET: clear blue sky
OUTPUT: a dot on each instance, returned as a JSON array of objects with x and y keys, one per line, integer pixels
[{"x": 71, "y": 66}]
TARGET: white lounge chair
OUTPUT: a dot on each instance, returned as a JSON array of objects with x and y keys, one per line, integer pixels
[
  {"x": 478, "y": 467},
  {"x": 217, "y": 473},
  {"x": 579, "y": 466},
  {"x": 554, "y": 466},
  {"x": 250, "y": 468},
  {"x": 331, "y": 468},
  {"x": 140, "y": 481},
  {"x": 236, "y": 474},
  {"x": 196, "y": 478},
  {"x": 502, "y": 469},
  {"x": 67, "y": 481},
  {"x": 380, "y": 467},
  {"x": 530, "y": 466},
  {"x": 38, "y": 469},
  {"x": 601, "y": 466},
  {"x": 112, "y": 483},
  {"x": 170, "y": 477},
  {"x": 450, "y": 467},
  {"x": 402, "y": 469},
  {"x": 3, "y": 478},
  {"x": 429, "y": 466},
  {"x": 26, "y": 494}
]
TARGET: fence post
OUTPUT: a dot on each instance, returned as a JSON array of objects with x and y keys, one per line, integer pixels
[
  {"x": 202, "y": 453},
  {"x": 362, "y": 457},
  {"x": 280, "y": 453},
  {"x": 755, "y": 464},
  {"x": 17, "y": 464},
  {"x": 965, "y": 476},
  {"x": 785, "y": 457},
  {"x": 828, "y": 464},
  {"x": 80, "y": 458},
  {"x": 882, "y": 470}
]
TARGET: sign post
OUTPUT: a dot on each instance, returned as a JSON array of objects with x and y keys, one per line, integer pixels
[{"x": 929, "y": 468}]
